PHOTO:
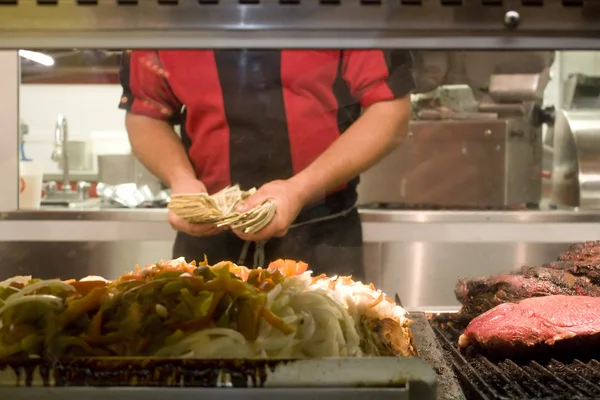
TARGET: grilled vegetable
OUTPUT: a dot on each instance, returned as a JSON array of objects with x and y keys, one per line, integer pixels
[{"x": 180, "y": 309}]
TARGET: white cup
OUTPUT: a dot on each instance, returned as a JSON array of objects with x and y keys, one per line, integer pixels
[{"x": 30, "y": 185}]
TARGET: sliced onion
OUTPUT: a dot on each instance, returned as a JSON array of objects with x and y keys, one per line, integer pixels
[
  {"x": 42, "y": 284},
  {"x": 41, "y": 298},
  {"x": 94, "y": 278},
  {"x": 273, "y": 293},
  {"x": 198, "y": 343},
  {"x": 23, "y": 280}
]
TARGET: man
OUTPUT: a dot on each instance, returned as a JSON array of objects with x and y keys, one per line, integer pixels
[{"x": 287, "y": 122}]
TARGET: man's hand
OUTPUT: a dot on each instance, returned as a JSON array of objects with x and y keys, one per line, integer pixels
[
  {"x": 185, "y": 187},
  {"x": 289, "y": 203}
]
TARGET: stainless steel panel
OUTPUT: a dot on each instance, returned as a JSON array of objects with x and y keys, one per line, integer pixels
[
  {"x": 378, "y": 226},
  {"x": 372, "y": 253},
  {"x": 576, "y": 170},
  {"x": 268, "y": 23},
  {"x": 116, "y": 169},
  {"x": 78, "y": 259},
  {"x": 125, "y": 168},
  {"x": 441, "y": 162},
  {"x": 424, "y": 274},
  {"x": 80, "y": 157},
  {"x": 524, "y": 152},
  {"x": 459, "y": 163},
  {"x": 550, "y": 217},
  {"x": 515, "y": 88},
  {"x": 483, "y": 232}
]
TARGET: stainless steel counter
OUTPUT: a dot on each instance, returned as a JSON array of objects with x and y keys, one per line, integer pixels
[
  {"x": 367, "y": 214},
  {"x": 378, "y": 226},
  {"x": 418, "y": 254}
]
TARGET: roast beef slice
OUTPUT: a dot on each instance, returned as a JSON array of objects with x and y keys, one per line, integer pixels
[
  {"x": 480, "y": 295},
  {"x": 514, "y": 329}
]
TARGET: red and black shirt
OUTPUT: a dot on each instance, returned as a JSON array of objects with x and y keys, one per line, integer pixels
[{"x": 253, "y": 116}]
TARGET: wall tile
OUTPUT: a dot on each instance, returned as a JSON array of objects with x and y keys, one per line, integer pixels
[{"x": 87, "y": 108}]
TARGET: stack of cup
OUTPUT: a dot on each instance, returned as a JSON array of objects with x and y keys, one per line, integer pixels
[{"x": 31, "y": 178}]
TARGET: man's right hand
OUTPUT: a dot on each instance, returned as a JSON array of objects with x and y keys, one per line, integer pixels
[{"x": 191, "y": 186}]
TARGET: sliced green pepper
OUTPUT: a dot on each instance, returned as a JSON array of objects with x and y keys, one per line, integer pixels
[
  {"x": 246, "y": 315},
  {"x": 205, "y": 272},
  {"x": 173, "y": 287}
]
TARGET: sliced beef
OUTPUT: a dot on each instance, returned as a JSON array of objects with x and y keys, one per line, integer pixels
[
  {"x": 480, "y": 295},
  {"x": 558, "y": 323},
  {"x": 586, "y": 251}
]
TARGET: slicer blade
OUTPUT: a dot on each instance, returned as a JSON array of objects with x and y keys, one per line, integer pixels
[{"x": 397, "y": 300}]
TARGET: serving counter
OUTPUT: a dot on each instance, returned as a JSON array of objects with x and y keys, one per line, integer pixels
[
  {"x": 552, "y": 226},
  {"x": 419, "y": 254}
]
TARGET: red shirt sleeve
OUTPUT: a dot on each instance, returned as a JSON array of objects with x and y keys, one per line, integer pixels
[
  {"x": 376, "y": 75},
  {"x": 146, "y": 90}
]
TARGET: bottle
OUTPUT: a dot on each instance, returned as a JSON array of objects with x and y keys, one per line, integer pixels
[{"x": 23, "y": 130}]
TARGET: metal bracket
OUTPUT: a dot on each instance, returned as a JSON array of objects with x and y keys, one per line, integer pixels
[
  {"x": 9, "y": 136},
  {"x": 299, "y": 23}
]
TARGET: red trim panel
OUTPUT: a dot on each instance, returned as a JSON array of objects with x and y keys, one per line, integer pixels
[
  {"x": 145, "y": 89},
  {"x": 194, "y": 79},
  {"x": 371, "y": 77},
  {"x": 310, "y": 104}
]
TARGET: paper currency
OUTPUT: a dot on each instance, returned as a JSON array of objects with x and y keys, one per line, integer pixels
[{"x": 220, "y": 207}]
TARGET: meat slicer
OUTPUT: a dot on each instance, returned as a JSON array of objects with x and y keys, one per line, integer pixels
[
  {"x": 475, "y": 139},
  {"x": 576, "y": 144}
]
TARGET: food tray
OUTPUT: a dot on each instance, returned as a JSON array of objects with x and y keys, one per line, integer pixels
[
  {"x": 78, "y": 393},
  {"x": 402, "y": 378}
]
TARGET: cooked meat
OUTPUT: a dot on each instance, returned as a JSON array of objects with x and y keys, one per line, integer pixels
[
  {"x": 515, "y": 329},
  {"x": 586, "y": 268},
  {"x": 586, "y": 251},
  {"x": 480, "y": 295}
]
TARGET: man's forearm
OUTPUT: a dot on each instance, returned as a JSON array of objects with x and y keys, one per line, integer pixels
[
  {"x": 381, "y": 128},
  {"x": 159, "y": 149}
]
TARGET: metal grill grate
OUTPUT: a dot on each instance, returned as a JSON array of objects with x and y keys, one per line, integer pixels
[{"x": 552, "y": 379}]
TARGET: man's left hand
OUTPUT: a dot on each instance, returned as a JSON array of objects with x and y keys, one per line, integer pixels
[{"x": 289, "y": 203}]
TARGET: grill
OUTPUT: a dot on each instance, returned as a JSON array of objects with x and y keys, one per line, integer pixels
[
  {"x": 186, "y": 379},
  {"x": 482, "y": 378}
]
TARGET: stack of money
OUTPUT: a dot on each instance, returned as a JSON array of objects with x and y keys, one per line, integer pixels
[{"x": 220, "y": 209}]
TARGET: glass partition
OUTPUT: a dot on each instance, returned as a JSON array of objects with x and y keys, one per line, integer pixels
[
  {"x": 453, "y": 180},
  {"x": 488, "y": 130}
]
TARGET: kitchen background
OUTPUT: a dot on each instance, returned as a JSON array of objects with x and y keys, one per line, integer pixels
[{"x": 93, "y": 117}]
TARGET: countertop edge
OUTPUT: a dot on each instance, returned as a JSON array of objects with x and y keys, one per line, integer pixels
[{"x": 367, "y": 216}]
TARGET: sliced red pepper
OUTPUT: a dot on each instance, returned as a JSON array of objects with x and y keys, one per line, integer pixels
[
  {"x": 277, "y": 322},
  {"x": 77, "y": 308}
]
